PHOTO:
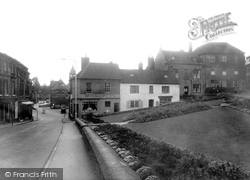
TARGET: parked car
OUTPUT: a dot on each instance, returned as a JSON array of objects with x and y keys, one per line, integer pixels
[{"x": 55, "y": 106}]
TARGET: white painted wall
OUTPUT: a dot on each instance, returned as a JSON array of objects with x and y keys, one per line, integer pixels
[{"x": 144, "y": 95}]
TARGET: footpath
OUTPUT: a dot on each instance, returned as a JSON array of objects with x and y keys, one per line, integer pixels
[{"x": 72, "y": 155}]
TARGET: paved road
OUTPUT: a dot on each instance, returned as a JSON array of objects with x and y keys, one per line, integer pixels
[
  {"x": 46, "y": 143},
  {"x": 30, "y": 144}
]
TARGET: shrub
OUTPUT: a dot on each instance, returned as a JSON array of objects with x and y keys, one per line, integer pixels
[
  {"x": 169, "y": 162},
  {"x": 166, "y": 111}
]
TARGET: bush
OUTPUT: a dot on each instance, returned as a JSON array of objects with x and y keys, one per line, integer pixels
[
  {"x": 168, "y": 161},
  {"x": 166, "y": 111}
]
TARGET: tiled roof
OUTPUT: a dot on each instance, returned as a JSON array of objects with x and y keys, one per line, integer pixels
[
  {"x": 100, "y": 71},
  {"x": 216, "y": 47},
  {"x": 12, "y": 59},
  {"x": 181, "y": 56},
  {"x": 148, "y": 77},
  {"x": 58, "y": 85}
]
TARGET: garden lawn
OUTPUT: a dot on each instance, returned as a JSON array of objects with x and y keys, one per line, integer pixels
[{"x": 222, "y": 133}]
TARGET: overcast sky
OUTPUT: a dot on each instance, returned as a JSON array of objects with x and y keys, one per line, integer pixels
[{"x": 40, "y": 33}]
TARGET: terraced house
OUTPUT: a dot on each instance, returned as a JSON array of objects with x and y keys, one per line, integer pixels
[
  {"x": 216, "y": 64},
  {"x": 147, "y": 88},
  {"x": 58, "y": 93},
  {"x": 15, "y": 87},
  {"x": 98, "y": 88}
]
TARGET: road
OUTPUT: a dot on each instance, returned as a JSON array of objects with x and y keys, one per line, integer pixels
[{"x": 29, "y": 145}]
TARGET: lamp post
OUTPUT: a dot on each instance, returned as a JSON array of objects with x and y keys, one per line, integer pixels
[{"x": 75, "y": 90}]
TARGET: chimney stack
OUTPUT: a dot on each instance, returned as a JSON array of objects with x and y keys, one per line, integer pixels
[
  {"x": 151, "y": 64},
  {"x": 190, "y": 47},
  {"x": 140, "y": 66},
  {"x": 85, "y": 62}
]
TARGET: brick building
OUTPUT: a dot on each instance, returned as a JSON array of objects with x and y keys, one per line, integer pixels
[
  {"x": 98, "y": 88},
  {"x": 59, "y": 93},
  {"x": 15, "y": 87},
  {"x": 211, "y": 65}
]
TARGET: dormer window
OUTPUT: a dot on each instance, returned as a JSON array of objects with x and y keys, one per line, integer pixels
[{"x": 171, "y": 58}]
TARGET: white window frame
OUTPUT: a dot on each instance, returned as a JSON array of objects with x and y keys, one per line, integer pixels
[
  {"x": 134, "y": 89},
  {"x": 165, "y": 91},
  {"x": 224, "y": 73},
  {"x": 107, "y": 87},
  {"x": 134, "y": 104}
]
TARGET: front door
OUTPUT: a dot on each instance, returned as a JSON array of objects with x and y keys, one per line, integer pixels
[
  {"x": 185, "y": 90},
  {"x": 116, "y": 107},
  {"x": 150, "y": 103}
]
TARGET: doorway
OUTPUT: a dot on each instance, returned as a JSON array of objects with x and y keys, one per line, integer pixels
[
  {"x": 150, "y": 103},
  {"x": 185, "y": 90}
]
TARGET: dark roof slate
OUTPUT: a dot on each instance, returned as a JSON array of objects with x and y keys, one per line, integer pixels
[
  {"x": 100, "y": 71},
  {"x": 148, "y": 77},
  {"x": 216, "y": 47},
  {"x": 58, "y": 85}
]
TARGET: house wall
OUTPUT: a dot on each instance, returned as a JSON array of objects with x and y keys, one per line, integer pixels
[
  {"x": 98, "y": 95},
  {"x": 144, "y": 96},
  {"x": 14, "y": 85}
]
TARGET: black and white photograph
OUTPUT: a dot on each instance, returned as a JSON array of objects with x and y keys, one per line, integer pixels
[{"x": 124, "y": 90}]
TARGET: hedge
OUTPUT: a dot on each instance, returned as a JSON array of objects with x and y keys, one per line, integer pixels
[{"x": 169, "y": 110}]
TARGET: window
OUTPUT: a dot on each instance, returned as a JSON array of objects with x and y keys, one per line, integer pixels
[
  {"x": 212, "y": 72},
  {"x": 88, "y": 87},
  {"x": 224, "y": 73},
  {"x": 13, "y": 88},
  {"x": 151, "y": 89},
  {"x": 210, "y": 58},
  {"x": 1, "y": 87},
  {"x": 176, "y": 72},
  {"x": 107, "y": 87},
  {"x": 185, "y": 73},
  {"x": 171, "y": 58},
  {"x": 134, "y": 104},
  {"x": 236, "y": 72},
  {"x": 224, "y": 58},
  {"x": 6, "y": 89},
  {"x": 236, "y": 59},
  {"x": 196, "y": 88},
  {"x": 4, "y": 66},
  {"x": 165, "y": 89},
  {"x": 196, "y": 73},
  {"x": 235, "y": 83},
  {"x": 107, "y": 106},
  {"x": 134, "y": 89}
]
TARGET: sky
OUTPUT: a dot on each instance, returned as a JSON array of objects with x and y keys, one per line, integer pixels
[{"x": 49, "y": 36}]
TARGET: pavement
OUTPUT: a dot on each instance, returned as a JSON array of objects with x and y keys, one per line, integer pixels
[{"x": 71, "y": 154}]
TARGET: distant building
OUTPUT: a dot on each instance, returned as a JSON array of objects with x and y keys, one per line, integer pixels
[
  {"x": 59, "y": 93},
  {"x": 147, "y": 88},
  {"x": 15, "y": 88},
  {"x": 211, "y": 65},
  {"x": 98, "y": 88}
]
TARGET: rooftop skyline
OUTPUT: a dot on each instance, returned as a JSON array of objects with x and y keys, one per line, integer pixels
[{"x": 40, "y": 34}]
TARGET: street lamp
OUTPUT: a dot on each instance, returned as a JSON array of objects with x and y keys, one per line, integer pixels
[{"x": 75, "y": 90}]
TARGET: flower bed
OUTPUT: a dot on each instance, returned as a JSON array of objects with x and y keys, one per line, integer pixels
[
  {"x": 152, "y": 159},
  {"x": 170, "y": 110}
]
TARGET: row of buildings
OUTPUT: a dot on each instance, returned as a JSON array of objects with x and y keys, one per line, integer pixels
[
  {"x": 15, "y": 88},
  {"x": 104, "y": 87}
]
